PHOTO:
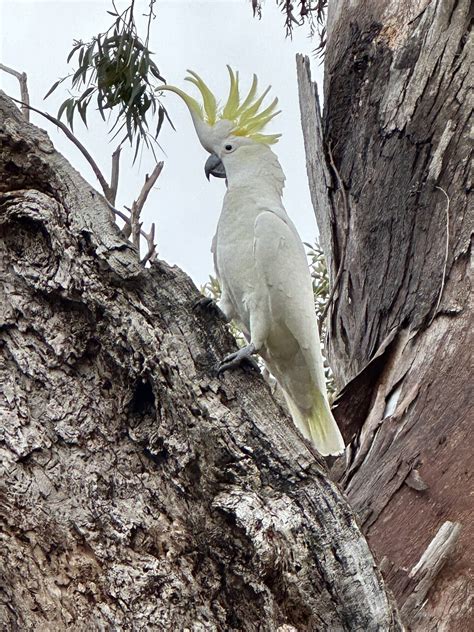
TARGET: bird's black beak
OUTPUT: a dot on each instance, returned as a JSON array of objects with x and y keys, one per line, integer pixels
[{"x": 214, "y": 167}]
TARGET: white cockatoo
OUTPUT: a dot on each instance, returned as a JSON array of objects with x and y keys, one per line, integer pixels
[{"x": 259, "y": 258}]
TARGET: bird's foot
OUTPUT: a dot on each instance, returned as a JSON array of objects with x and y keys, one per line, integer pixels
[
  {"x": 234, "y": 360},
  {"x": 209, "y": 305}
]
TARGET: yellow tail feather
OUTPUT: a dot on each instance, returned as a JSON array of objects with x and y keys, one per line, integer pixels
[{"x": 319, "y": 426}]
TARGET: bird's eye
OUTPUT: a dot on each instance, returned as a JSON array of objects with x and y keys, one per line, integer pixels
[{"x": 228, "y": 147}]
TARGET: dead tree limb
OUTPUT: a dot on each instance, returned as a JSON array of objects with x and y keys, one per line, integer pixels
[
  {"x": 132, "y": 223},
  {"x": 23, "y": 81}
]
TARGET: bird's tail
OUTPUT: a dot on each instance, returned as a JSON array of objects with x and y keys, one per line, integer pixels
[{"x": 318, "y": 424}]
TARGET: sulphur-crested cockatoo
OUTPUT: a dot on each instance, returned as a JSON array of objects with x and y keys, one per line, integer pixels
[{"x": 260, "y": 260}]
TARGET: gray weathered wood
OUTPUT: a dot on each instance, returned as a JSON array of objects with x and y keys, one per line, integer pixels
[
  {"x": 397, "y": 114},
  {"x": 319, "y": 177},
  {"x": 140, "y": 491},
  {"x": 428, "y": 568}
]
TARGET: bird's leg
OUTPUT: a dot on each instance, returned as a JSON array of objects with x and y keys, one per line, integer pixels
[{"x": 234, "y": 360}]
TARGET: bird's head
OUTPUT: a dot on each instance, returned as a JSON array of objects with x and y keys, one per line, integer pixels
[{"x": 223, "y": 130}]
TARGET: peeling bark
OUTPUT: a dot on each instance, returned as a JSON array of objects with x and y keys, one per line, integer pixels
[
  {"x": 141, "y": 492},
  {"x": 396, "y": 115}
]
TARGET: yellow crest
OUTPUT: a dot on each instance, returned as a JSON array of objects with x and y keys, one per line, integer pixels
[{"x": 245, "y": 115}]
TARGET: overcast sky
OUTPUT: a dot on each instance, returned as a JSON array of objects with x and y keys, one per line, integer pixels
[{"x": 36, "y": 37}]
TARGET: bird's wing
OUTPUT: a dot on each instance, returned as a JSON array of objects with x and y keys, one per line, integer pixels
[
  {"x": 281, "y": 261},
  {"x": 293, "y": 347},
  {"x": 214, "y": 253},
  {"x": 279, "y": 254}
]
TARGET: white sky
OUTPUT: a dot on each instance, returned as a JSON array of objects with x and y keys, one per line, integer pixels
[{"x": 36, "y": 37}]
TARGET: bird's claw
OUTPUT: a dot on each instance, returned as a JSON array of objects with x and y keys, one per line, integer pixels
[{"x": 236, "y": 359}]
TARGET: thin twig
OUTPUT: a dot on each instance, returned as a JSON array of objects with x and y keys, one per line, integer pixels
[
  {"x": 148, "y": 185},
  {"x": 132, "y": 225},
  {"x": 446, "y": 254},
  {"x": 118, "y": 213},
  {"x": 103, "y": 182},
  {"x": 340, "y": 270},
  {"x": 138, "y": 204},
  {"x": 126, "y": 219},
  {"x": 150, "y": 240},
  {"x": 126, "y": 231},
  {"x": 114, "y": 176},
  {"x": 135, "y": 225},
  {"x": 23, "y": 81}
]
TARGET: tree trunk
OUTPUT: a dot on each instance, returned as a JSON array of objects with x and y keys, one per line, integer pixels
[
  {"x": 389, "y": 171},
  {"x": 142, "y": 491}
]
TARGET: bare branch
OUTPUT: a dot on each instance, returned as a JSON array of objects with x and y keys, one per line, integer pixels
[
  {"x": 149, "y": 183},
  {"x": 114, "y": 177},
  {"x": 135, "y": 225},
  {"x": 150, "y": 239},
  {"x": 11, "y": 71},
  {"x": 79, "y": 145},
  {"x": 138, "y": 204},
  {"x": 23, "y": 81},
  {"x": 121, "y": 215},
  {"x": 132, "y": 226},
  {"x": 127, "y": 229}
]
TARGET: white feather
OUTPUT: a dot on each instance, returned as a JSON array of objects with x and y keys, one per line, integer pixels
[{"x": 266, "y": 285}]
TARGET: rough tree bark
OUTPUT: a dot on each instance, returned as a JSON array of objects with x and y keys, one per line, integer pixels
[
  {"x": 389, "y": 170},
  {"x": 141, "y": 492}
]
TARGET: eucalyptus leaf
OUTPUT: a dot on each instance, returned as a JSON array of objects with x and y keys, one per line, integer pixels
[
  {"x": 53, "y": 88},
  {"x": 120, "y": 76},
  {"x": 73, "y": 51}
]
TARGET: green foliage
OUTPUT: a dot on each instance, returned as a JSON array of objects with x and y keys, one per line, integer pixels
[
  {"x": 319, "y": 276},
  {"x": 300, "y": 13},
  {"x": 116, "y": 69},
  {"x": 321, "y": 290},
  {"x": 212, "y": 288}
]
